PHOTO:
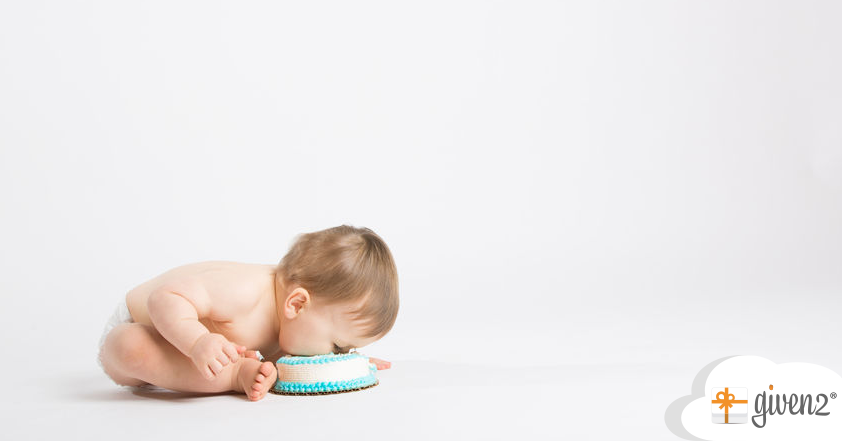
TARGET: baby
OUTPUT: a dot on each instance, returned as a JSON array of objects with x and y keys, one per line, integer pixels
[{"x": 199, "y": 327}]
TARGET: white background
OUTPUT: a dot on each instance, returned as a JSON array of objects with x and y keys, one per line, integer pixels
[{"x": 651, "y": 185}]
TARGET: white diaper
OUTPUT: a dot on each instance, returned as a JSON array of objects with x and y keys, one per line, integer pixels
[{"x": 121, "y": 315}]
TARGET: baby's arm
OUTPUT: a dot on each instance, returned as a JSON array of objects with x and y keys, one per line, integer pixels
[{"x": 175, "y": 310}]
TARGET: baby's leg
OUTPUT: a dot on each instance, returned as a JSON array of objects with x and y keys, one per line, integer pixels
[{"x": 137, "y": 351}]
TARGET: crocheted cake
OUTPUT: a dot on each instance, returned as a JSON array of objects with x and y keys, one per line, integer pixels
[{"x": 323, "y": 374}]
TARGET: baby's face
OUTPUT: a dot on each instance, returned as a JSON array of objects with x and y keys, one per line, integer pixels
[{"x": 315, "y": 329}]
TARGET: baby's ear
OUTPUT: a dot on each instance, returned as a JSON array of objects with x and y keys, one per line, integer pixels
[{"x": 295, "y": 302}]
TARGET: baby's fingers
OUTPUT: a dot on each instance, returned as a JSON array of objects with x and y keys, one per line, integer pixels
[
  {"x": 381, "y": 364},
  {"x": 231, "y": 351},
  {"x": 215, "y": 366}
]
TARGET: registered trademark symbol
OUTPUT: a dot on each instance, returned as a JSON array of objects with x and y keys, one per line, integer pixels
[{"x": 833, "y": 395}]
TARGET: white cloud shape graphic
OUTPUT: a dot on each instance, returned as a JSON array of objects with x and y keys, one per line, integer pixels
[{"x": 690, "y": 417}]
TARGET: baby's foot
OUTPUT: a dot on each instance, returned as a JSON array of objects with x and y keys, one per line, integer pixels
[{"x": 255, "y": 378}]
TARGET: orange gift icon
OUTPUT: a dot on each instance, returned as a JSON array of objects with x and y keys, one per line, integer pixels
[{"x": 729, "y": 405}]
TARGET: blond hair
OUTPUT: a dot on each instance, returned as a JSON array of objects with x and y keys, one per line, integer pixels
[{"x": 346, "y": 264}]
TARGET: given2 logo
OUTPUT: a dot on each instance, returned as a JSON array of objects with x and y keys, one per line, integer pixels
[
  {"x": 751, "y": 398},
  {"x": 730, "y": 406}
]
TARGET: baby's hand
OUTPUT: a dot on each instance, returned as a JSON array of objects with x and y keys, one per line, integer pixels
[
  {"x": 381, "y": 364},
  {"x": 212, "y": 352}
]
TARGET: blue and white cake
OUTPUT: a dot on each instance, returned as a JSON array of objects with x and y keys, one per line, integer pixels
[{"x": 323, "y": 374}]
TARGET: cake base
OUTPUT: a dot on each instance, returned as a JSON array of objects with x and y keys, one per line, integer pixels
[{"x": 272, "y": 390}]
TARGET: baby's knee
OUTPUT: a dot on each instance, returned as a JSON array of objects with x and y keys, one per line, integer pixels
[{"x": 127, "y": 345}]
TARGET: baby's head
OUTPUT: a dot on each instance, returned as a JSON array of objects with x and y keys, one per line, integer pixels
[{"x": 335, "y": 289}]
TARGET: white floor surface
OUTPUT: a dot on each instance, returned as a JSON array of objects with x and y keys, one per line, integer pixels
[{"x": 414, "y": 400}]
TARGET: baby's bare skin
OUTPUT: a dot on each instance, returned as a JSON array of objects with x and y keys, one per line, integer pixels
[
  {"x": 244, "y": 310},
  {"x": 256, "y": 329}
]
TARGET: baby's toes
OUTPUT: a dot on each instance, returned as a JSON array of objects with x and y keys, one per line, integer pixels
[
  {"x": 264, "y": 379},
  {"x": 267, "y": 370}
]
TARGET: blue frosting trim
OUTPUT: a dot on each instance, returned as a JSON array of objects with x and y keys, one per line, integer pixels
[
  {"x": 325, "y": 386},
  {"x": 318, "y": 359}
]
